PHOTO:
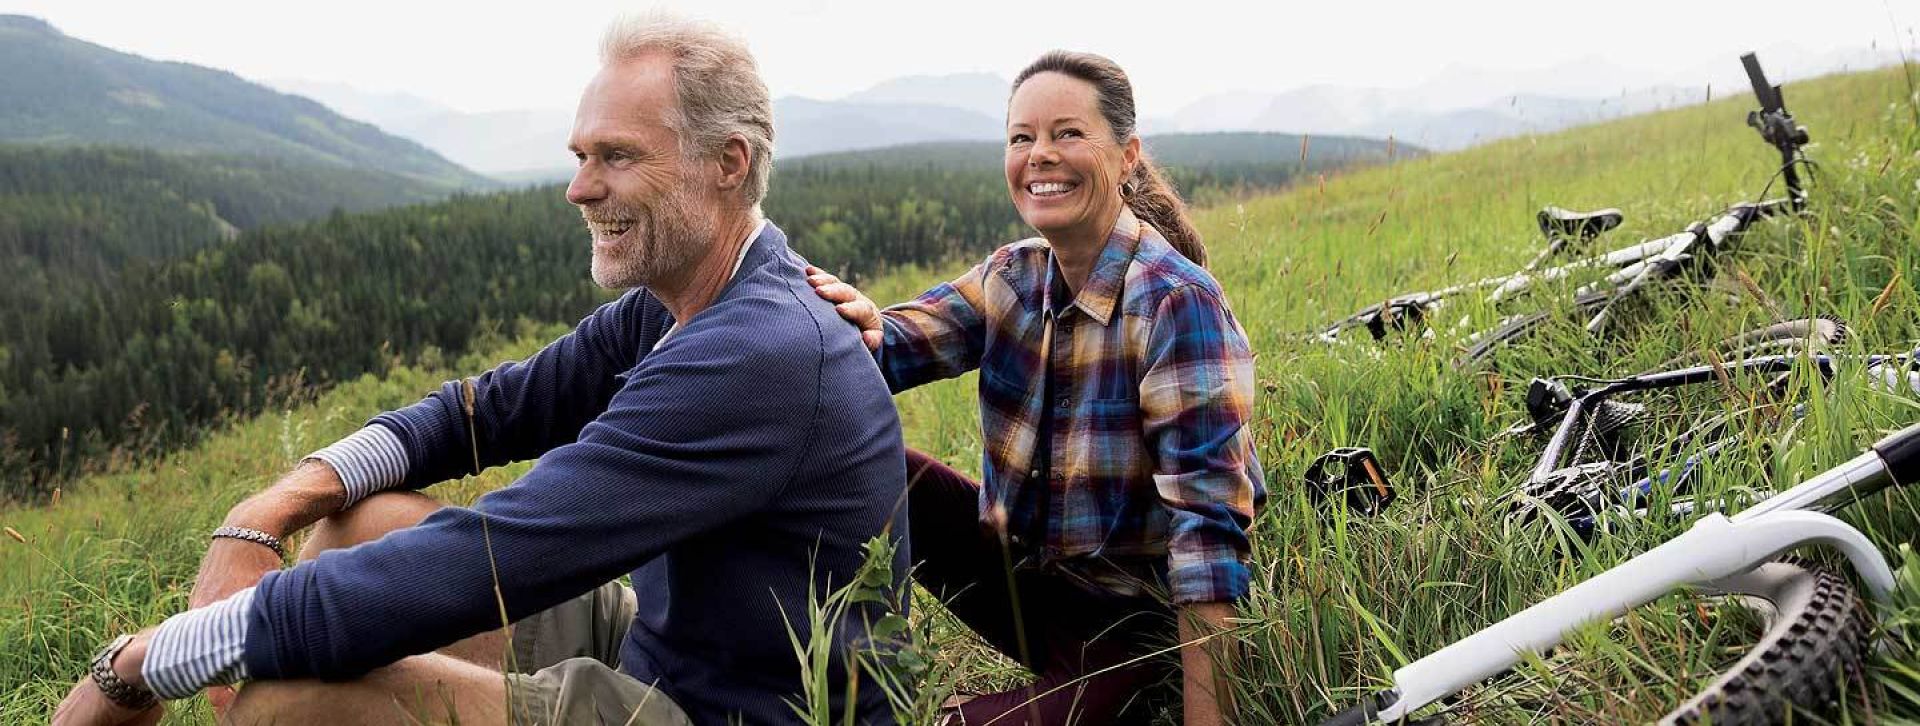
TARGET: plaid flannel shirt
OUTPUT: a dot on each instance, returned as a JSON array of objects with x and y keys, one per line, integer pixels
[{"x": 1149, "y": 452}]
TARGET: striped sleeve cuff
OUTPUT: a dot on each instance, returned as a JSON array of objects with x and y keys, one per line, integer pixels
[
  {"x": 371, "y": 460},
  {"x": 199, "y": 648}
]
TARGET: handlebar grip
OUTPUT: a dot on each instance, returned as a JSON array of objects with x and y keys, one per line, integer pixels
[
  {"x": 1768, "y": 95},
  {"x": 1901, "y": 452}
]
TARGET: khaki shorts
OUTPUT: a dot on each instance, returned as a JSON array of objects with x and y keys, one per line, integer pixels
[{"x": 566, "y": 658}]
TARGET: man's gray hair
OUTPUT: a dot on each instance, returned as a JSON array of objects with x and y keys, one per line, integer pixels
[{"x": 718, "y": 85}]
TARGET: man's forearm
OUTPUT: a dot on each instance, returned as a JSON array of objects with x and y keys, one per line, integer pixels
[
  {"x": 329, "y": 480},
  {"x": 309, "y": 493}
]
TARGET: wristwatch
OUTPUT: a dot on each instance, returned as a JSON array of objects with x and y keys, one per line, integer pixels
[{"x": 122, "y": 693}]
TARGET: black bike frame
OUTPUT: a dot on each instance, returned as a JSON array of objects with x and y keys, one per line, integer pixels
[{"x": 1581, "y": 406}]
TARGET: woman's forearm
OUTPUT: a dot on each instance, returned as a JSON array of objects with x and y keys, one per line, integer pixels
[{"x": 1205, "y": 658}]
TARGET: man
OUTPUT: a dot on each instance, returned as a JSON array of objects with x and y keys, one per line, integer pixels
[{"x": 717, "y": 433}]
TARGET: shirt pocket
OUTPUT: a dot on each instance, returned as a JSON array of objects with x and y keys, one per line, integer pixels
[
  {"x": 1116, "y": 471},
  {"x": 1007, "y": 431}
]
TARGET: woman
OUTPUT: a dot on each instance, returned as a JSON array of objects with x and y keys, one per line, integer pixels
[{"x": 1115, "y": 390}]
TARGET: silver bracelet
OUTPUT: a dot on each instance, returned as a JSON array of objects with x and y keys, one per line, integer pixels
[{"x": 252, "y": 535}]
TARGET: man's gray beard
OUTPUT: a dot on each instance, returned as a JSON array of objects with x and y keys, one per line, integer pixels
[{"x": 675, "y": 237}]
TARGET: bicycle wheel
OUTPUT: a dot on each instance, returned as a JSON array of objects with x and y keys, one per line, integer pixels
[
  {"x": 1816, "y": 636},
  {"x": 1484, "y": 344},
  {"x": 1816, "y": 334}
]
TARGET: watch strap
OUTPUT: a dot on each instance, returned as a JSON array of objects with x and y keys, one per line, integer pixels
[{"x": 123, "y": 694}]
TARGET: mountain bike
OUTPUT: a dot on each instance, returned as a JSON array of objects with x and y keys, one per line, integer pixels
[{"x": 1649, "y": 264}]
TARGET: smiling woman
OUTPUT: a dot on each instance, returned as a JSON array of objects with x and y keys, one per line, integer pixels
[
  {"x": 1066, "y": 84},
  {"x": 1119, "y": 476}
]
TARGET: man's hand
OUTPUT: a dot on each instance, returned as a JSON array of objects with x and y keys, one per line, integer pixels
[
  {"x": 231, "y": 565},
  {"x": 305, "y": 495},
  {"x": 851, "y": 304},
  {"x": 86, "y": 705}
]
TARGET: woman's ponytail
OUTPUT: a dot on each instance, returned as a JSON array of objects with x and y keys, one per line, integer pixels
[{"x": 1155, "y": 202}]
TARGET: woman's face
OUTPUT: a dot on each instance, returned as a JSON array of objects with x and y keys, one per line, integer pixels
[{"x": 1063, "y": 165}]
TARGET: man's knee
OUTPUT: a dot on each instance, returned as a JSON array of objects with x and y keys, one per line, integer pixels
[
  {"x": 305, "y": 702},
  {"x": 368, "y": 520},
  {"x": 271, "y": 702},
  {"x": 429, "y": 689}
]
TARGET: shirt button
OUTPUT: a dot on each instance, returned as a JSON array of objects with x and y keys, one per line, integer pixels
[{"x": 1034, "y": 474}]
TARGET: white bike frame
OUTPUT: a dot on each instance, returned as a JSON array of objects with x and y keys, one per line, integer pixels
[{"x": 1714, "y": 549}]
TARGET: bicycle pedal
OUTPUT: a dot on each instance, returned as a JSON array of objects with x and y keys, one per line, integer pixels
[{"x": 1353, "y": 475}]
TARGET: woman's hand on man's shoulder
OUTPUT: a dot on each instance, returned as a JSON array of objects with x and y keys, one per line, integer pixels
[{"x": 850, "y": 303}]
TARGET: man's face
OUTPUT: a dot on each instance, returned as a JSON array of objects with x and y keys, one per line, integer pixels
[{"x": 646, "y": 206}]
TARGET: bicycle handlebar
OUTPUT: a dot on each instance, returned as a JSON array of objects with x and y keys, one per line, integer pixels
[
  {"x": 1776, "y": 126},
  {"x": 1901, "y": 451},
  {"x": 1767, "y": 93},
  {"x": 1894, "y": 460}
]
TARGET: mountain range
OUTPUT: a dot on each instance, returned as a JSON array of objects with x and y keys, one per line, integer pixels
[
  {"x": 1455, "y": 108},
  {"x": 530, "y": 144},
  {"x": 65, "y": 91}
]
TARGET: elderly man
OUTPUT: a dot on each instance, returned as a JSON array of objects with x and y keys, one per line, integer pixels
[{"x": 719, "y": 433}]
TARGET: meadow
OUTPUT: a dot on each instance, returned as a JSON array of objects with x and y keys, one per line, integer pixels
[{"x": 1339, "y": 601}]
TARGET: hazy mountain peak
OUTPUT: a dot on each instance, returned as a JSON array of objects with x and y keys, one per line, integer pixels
[
  {"x": 27, "y": 23},
  {"x": 982, "y": 93},
  {"x": 384, "y": 109}
]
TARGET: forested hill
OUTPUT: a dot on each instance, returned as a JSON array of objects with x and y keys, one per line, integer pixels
[
  {"x": 144, "y": 301},
  {"x": 860, "y": 212},
  {"x": 147, "y": 352},
  {"x": 59, "y": 205},
  {"x": 59, "y": 90}
]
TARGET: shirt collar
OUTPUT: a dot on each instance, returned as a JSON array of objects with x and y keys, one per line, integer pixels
[
  {"x": 1101, "y": 294},
  {"x": 745, "y": 247}
]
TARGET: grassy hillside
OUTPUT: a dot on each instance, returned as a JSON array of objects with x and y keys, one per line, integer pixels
[
  {"x": 63, "y": 91},
  {"x": 1336, "y": 606},
  {"x": 1340, "y": 607}
]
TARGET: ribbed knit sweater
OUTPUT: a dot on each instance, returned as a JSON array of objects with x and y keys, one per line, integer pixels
[{"x": 728, "y": 468}]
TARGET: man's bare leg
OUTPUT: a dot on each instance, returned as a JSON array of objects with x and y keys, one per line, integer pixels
[
  {"x": 423, "y": 689},
  {"x": 371, "y": 519}
]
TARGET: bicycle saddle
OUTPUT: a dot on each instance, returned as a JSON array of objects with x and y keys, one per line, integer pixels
[{"x": 1566, "y": 223}]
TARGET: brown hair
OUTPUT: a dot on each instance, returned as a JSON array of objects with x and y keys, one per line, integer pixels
[{"x": 1147, "y": 192}]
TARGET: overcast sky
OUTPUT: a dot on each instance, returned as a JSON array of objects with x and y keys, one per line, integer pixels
[{"x": 478, "y": 56}]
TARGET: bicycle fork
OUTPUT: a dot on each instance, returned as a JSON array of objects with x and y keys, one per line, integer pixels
[{"x": 1715, "y": 548}]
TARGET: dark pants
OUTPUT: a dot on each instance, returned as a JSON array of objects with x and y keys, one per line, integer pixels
[{"x": 1059, "y": 630}]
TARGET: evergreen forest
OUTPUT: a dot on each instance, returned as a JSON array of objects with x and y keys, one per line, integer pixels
[{"x": 152, "y": 294}]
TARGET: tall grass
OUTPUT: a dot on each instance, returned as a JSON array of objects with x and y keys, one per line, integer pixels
[{"x": 1337, "y": 604}]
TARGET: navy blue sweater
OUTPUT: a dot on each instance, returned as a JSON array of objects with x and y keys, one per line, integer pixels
[{"x": 728, "y": 469}]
